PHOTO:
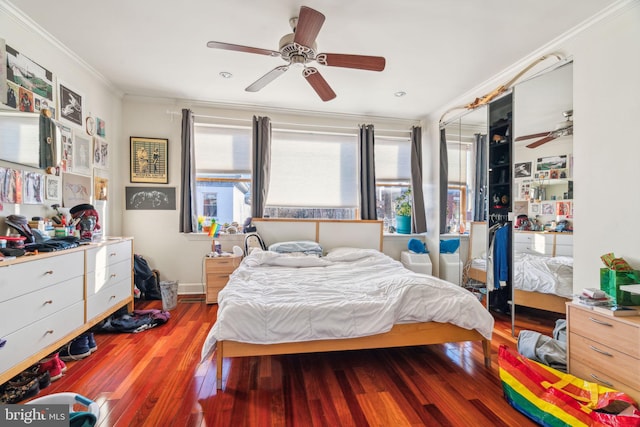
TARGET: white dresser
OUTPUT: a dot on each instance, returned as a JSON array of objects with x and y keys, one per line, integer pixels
[
  {"x": 48, "y": 299},
  {"x": 543, "y": 243}
]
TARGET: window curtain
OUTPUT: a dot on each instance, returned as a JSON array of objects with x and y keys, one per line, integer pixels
[
  {"x": 261, "y": 164},
  {"x": 444, "y": 180},
  {"x": 367, "y": 173},
  {"x": 419, "y": 218},
  {"x": 480, "y": 178},
  {"x": 188, "y": 211}
]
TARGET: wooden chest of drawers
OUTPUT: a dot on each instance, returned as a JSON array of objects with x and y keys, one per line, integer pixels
[
  {"x": 605, "y": 349},
  {"x": 218, "y": 271}
]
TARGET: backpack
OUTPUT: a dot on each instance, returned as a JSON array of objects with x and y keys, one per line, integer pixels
[{"x": 146, "y": 279}]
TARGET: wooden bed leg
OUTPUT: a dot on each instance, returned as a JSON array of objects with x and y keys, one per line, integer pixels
[
  {"x": 219, "y": 366},
  {"x": 486, "y": 349}
]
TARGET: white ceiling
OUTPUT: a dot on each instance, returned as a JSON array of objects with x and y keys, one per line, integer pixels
[{"x": 435, "y": 50}]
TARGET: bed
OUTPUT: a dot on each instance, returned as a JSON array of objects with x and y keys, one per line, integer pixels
[{"x": 354, "y": 297}]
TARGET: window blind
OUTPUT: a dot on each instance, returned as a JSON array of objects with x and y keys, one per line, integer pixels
[
  {"x": 393, "y": 159},
  {"x": 222, "y": 149},
  {"x": 313, "y": 170}
]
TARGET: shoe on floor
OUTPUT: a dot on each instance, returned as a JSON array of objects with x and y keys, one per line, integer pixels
[
  {"x": 16, "y": 393},
  {"x": 44, "y": 378},
  {"x": 51, "y": 364},
  {"x": 76, "y": 349},
  {"x": 62, "y": 365},
  {"x": 93, "y": 346}
]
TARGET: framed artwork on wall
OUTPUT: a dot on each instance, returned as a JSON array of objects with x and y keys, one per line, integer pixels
[
  {"x": 150, "y": 198},
  {"x": 149, "y": 160},
  {"x": 71, "y": 103}
]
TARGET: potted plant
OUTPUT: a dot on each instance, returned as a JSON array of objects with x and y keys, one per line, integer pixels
[{"x": 403, "y": 212}]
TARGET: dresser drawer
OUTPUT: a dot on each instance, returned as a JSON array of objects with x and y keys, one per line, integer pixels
[
  {"x": 99, "y": 258},
  {"x": 107, "y": 298},
  {"x": 36, "y": 336},
  {"x": 22, "y": 278},
  {"x": 564, "y": 250},
  {"x": 21, "y": 311},
  {"x": 610, "y": 362},
  {"x": 108, "y": 275},
  {"x": 608, "y": 331},
  {"x": 590, "y": 374}
]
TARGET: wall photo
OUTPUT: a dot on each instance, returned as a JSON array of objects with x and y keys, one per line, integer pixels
[
  {"x": 70, "y": 105},
  {"x": 150, "y": 198},
  {"x": 149, "y": 160}
]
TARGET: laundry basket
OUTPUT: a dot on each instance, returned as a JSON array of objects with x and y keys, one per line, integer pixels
[{"x": 85, "y": 418}]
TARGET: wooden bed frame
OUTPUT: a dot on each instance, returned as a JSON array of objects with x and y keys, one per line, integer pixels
[
  {"x": 331, "y": 234},
  {"x": 549, "y": 302}
]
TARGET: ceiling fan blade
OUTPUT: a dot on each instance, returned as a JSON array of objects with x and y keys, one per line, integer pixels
[
  {"x": 319, "y": 84},
  {"x": 541, "y": 141},
  {"x": 361, "y": 62},
  {"x": 309, "y": 23},
  {"x": 533, "y": 135},
  {"x": 240, "y": 48},
  {"x": 267, "y": 78}
]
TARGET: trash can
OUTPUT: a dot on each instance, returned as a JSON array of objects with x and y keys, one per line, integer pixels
[
  {"x": 89, "y": 414},
  {"x": 169, "y": 291}
]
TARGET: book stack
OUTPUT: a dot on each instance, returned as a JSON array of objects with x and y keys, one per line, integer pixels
[
  {"x": 593, "y": 297},
  {"x": 617, "y": 310}
]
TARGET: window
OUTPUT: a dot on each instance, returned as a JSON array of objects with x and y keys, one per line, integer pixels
[
  {"x": 459, "y": 210},
  {"x": 223, "y": 173},
  {"x": 393, "y": 175},
  {"x": 313, "y": 175}
]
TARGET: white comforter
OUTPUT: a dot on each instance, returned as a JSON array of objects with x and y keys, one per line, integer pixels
[
  {"x": 273, "y": 298},
  {"x": 548, "y": 275}
]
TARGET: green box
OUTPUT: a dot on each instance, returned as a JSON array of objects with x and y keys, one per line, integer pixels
[{"x": 611, "y": 280}]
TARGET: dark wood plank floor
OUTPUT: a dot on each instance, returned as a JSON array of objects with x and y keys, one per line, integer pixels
[{"x": 154, "y": 378}]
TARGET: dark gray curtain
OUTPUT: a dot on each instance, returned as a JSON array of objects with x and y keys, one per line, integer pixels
[
  {"x": 444, "y": 180},
  {"x": 188, "y": 212},
  {"x": 366, "y": 141},
  {"x": 47, "y": 143},
  {"x": 261, "y": 165},
  {"x": 480, "y": 178},
  {"x": 418, "y": 216}
]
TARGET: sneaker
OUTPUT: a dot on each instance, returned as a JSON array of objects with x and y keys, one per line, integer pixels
[
  {"x": 51, "y": 364},
  {"x": 62, "y": 365},
  {"x": 93, "y": 346},
  {"x": 14, "y": 393},
  {"x": 44, "y": 378},
  {"x": 76, "y": 349}
]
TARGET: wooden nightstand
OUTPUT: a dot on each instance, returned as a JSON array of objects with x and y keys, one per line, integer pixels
[
  {"x": 604, "y": 349},
  {"x": 218, "y": 271}
]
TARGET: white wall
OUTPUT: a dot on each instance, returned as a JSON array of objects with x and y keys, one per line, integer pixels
[
  {"x": 606, "y": 84},
  {"x": 100, "y": 99}
]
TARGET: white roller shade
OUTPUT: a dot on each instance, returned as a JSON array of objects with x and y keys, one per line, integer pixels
[
  {"x": 393, "y": 159},
  {"x": 313, "y": 170},
  {"x": 222, "y": 150}
]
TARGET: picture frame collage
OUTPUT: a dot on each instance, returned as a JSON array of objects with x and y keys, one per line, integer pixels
[{"x": 27, "y": 86}]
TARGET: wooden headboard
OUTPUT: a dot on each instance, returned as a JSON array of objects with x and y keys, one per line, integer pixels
[{"x": 366, "y": 234}]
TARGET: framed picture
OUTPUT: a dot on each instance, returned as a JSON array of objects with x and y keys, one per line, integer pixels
[
  {"x": 81, "y": 155},
  {"x": 522, "y": 170},
  {"x": 53, "y": 188},
  {"x": 149, "y": 160},
  {"x": 150, "y": 198},
  {"x": 100, "y": 184},
  {"x": 552, "y": 162},
  {"x": 70, "y": 105}
]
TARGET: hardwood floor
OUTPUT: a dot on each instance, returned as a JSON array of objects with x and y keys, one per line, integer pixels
[{"x": 154, "y": 378}]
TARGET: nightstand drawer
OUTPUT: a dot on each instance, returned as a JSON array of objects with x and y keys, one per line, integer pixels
[
  {"x": 222, "y": 264},
  {"x": 613, "y": 332},
  {"x": 610, "y": 362},
  {"x": 587, "y": 373}
]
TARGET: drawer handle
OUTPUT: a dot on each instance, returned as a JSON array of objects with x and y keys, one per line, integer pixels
[
  {"x": 48, "y": 272},
  {"x": 112, "y": 254},
  {"x": 50, "y": 331},
  {"x": 50, "y": 301},
  {"x": 113, "y": 275},
  {"x": 600, "y": 322},
  {"x": 607, "y": 383},
  {"x": 112, "y": 297},
  {"x": 600, "y": 351}
]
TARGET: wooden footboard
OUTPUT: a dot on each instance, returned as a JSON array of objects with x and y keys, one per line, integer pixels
[
  {"x": 403, "y": 335},
  {"x": 541, "y": 301}
]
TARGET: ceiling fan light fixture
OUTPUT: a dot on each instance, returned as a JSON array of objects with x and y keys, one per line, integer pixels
[{"x": 225, "y": 74}]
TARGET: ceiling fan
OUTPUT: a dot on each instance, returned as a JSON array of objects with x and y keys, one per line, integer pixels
[
  {"x": 562, "y": 129},
  {"x": 299, "y": 49}
]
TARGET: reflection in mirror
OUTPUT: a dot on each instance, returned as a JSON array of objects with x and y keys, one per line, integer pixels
[
  {"x": 543, "y": 192},
  {"x": 20, "y": 139},
  {"x": 465, "y": 194}
]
